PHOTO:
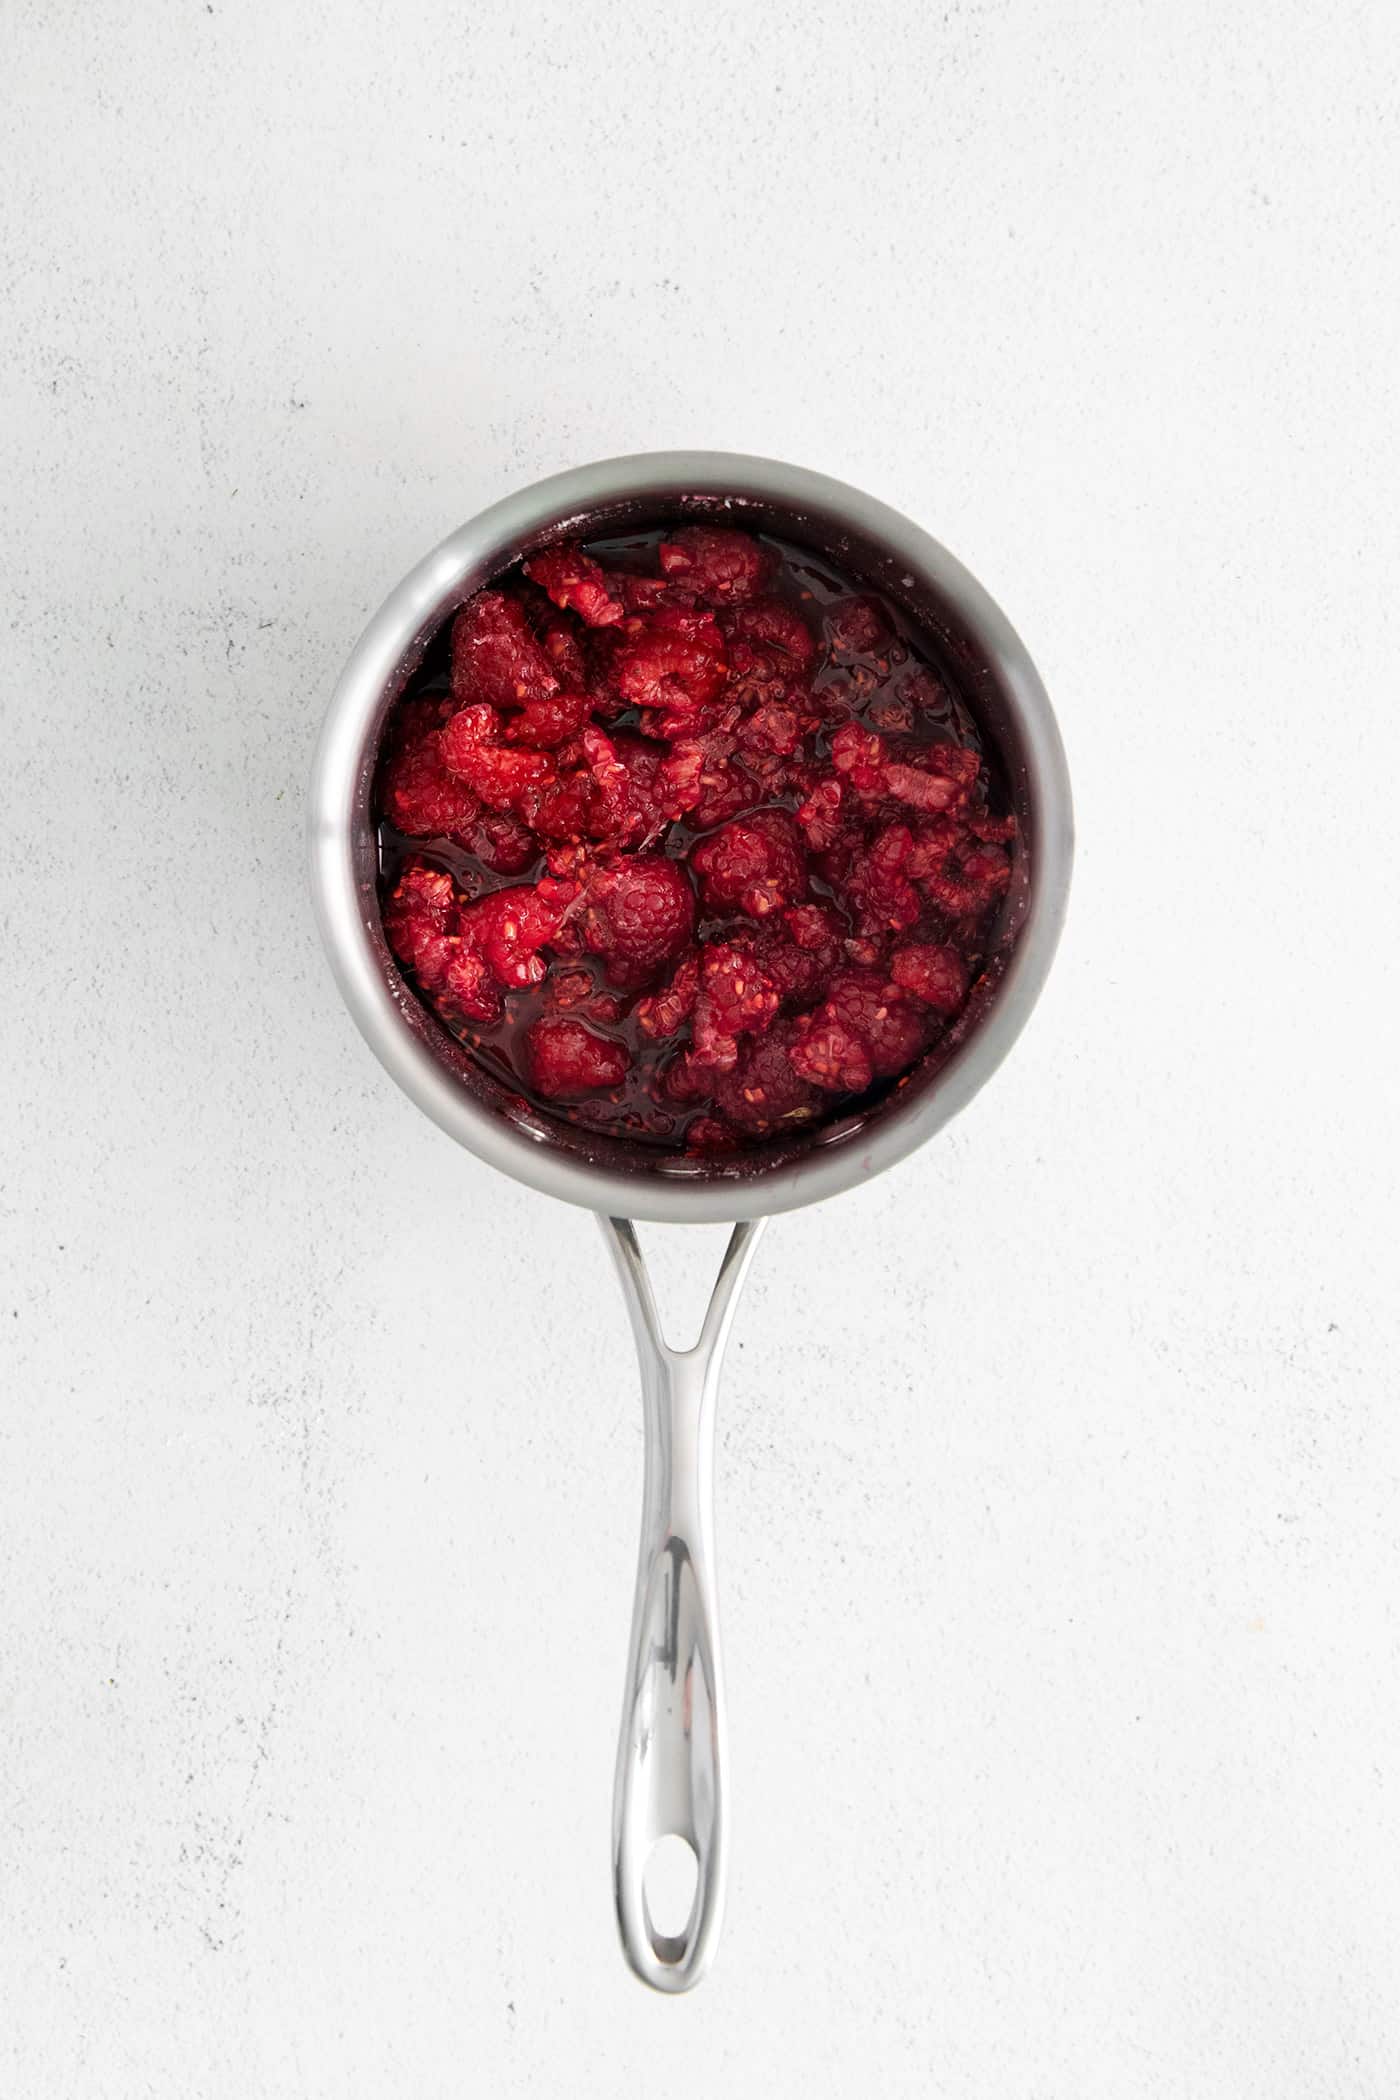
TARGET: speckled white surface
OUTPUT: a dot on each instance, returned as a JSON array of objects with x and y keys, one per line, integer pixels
[{"x": 1060, "y": 1539}]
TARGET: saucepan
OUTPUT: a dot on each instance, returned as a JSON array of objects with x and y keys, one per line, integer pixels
[{"x": 670, "y": 1779}]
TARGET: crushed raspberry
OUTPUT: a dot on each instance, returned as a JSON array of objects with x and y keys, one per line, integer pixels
[
  {"x": 640, "y": 593},
  {"x": 892, "y": 713},
  {"x": 637, "y": 914},
  {"x": 971, "y": 880},
  {"x": 704, "y": 852},
  {"x": 930, "y": 791},
  {"x": 942, "y": 779},
  {"x": 862, "y": 757},
  {"x": 773, "y": 730},
  {"x": 754, "y": 865},
  {"x": 564, "y": 808},
  {"x": 495, "y": 656},
  {"x": 772, "y": 624},
  {"x": 959, "y": 872},
  {"x": 601, "y": 647},
  {"x": 663, "y": 1014},
  {"x": 576, "y": 991},
  {"x": 856, "y": 627},
  {"x": 722, "y": 568},
  {"x": 630, "y": 804},
  {"x": 819, "y": 814},
  {"x": 565, "y": 1059},
  {"x": 762, "y": 675},
  {"x": 983, "y": 825},
  {"x": 684, "y": 1080},
  {"x": 511, "y": 926},
  {"x": 505, "y": 779},
  {"x": 709, "y": 1134},
  {"x": 576, "y": 583},
  {"x": 672, "y": 663},
  {"x": 469, "y": 730},
  {"x": 420, "y": 918},
  {"x": 921, "y": 695},
  {"x": 700, "y": 780},
  {"x": 562, "y": 646},
  {"x": 501, "y": 843},
  {"x": 551, "y": 720}
]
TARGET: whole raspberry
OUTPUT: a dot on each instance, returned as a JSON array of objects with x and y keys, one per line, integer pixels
[
  {"x": 469, "y": 986},
  {"x": 736, "y": 997},
  {"x": 831, "y": 1055},
  {"x": 495, "y": 656},
  {"x": 637, "y": 914},
  {"x": 879, "y": 1014},
  {"x": 799, "y": 948},
  {"x": 563, "y": 1060},
  {"x": 754, "y": 865},
  {"x": 765, "y": 1093},
  {"x": 418, "y": 794},
  {"x": 878, "y": 887},
  {"x": 934, "y": 974}
]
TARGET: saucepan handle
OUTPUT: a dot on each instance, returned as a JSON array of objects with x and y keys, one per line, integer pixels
[{"x": 671, "y": 1754}]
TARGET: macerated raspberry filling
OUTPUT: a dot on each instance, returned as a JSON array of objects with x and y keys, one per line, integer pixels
[{"x": 688, "y": 839}]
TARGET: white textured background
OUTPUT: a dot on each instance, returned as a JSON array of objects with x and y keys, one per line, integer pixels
[{"x": 1059, "y": 1467}]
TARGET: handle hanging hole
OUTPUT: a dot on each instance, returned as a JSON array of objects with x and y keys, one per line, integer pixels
[{"x": 669, "y": 1882}]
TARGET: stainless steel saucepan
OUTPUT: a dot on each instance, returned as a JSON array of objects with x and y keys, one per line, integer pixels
[{"x": 671, "y": 1760}]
